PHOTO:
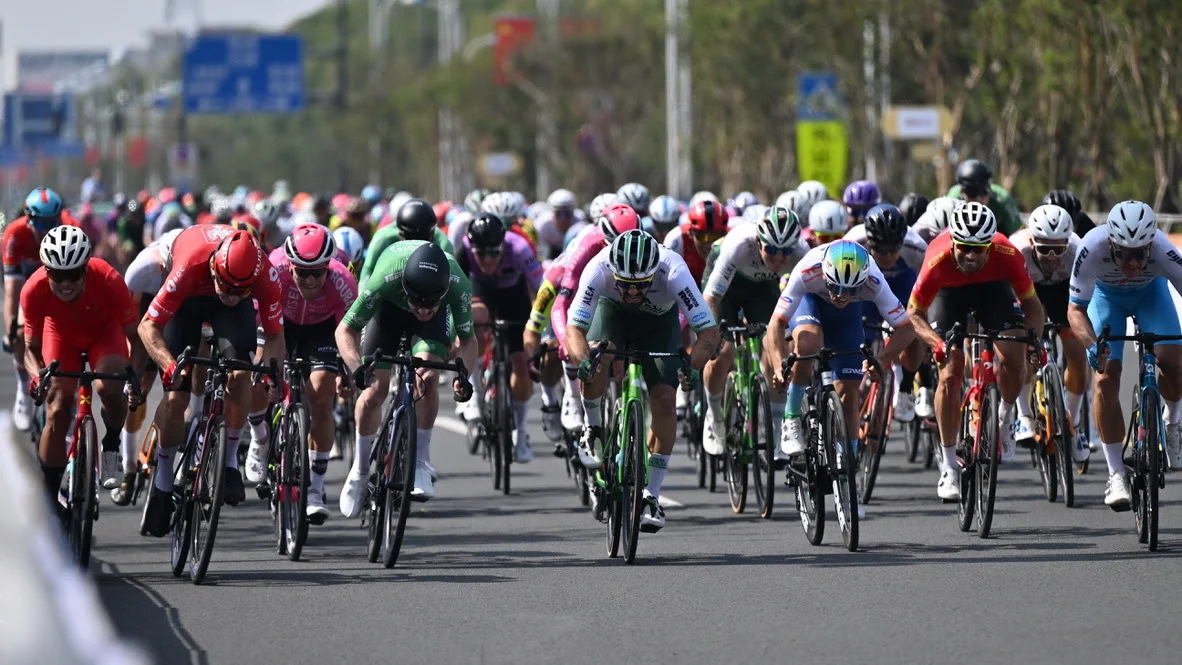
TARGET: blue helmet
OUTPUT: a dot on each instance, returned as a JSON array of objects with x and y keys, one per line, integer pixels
[
  {"x": 371, "y": 194},
  {"x": 43, "y": 203}
]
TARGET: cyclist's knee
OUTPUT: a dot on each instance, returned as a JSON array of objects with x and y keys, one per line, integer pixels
[
  {"x": 1169, "y": 359},
  {"x": 426, "y": 382},
  {"x": 662, "y": 397},
  {"x": 807, "y": 341},
  {"x": 320, "y": 397},
  {"x": 1108, "y": 383},
  {"x": 59, "y": 403},
  {"x": 109, "y": 392},
  {"x": 379, "y": 385}
]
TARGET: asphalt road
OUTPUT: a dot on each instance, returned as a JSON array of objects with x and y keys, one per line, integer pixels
[{"x": 487, "y": 578}]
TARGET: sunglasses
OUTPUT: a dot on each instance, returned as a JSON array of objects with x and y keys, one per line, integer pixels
[
  {"x": 488, "y": 252},
  {"x": 625, "y": 285},
  {"x": 310, "y": 274},
  {"x": 1050, "y": 250},
  {"x": 971, "y": 249},
  {"x": 703, "y": 236},
  {"x": 1125, "y": 254},
  {"x": 61, "y": 276},
  {"x": 776, "y": 251}
]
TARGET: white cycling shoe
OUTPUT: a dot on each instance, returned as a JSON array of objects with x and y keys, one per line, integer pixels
[{"x": 352, "y": 492}]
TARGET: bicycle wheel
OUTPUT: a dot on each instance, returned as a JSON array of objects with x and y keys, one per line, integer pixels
[
  {"x": 209, "y": 491},
  {"x": 610, "y": 493},
  {"x": 988, "y": 456},
  {"x": 931, "y": 440},
  {"x": 375, "y": 487},
  {"x": 145, "y": 464},
  {"x": 876, "y": 426},
  {"x": 505, "y": 425},
  {"x": 400, "y": 469},
  {"x": 1147, "y": 469},
  {"x": 697, "y": 419},
  {"x": 966, "y": 466},
  {"x": 842, "y": 469},
  {"x": 1044, "y": 453},
  {"x": 810, "y": 498},
  {"x": 1063, "y": 438},
  {"x": 734, "y": 468},
  {"x": 83, "y": 495},
  {"x": 294, "y": 469},
  {"x": 763, "y": 464},
  {"x": 911, "y": 438},
  {"x": 634, "y": 475},
  {"x": 343, "y": 431},
  {"x": 182, "y": 518}
]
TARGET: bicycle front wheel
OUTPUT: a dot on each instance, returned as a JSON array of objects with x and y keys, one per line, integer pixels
[
  {"x": 876, "y": 420},
  {"x": 1045, "y": 455},
  {"x": 293, "y": 474},
  {"x": 400, "y": 469},
  {"x": 763, "y": 464},
  {"x": 633, "y": 477},
  {"x": 145, "y": 464},
  {"x": 988, "y": 456},
  {"x": 842, "y": 469},
  {"x": 734, "y": 467},
  {"x": 83, "y": 493},
  {"x": 505, "y": 427},
  {"x": 1147, "y": 472},
  {"x": 209, "y": 491},
  {"x": 1064, "y": 441}
]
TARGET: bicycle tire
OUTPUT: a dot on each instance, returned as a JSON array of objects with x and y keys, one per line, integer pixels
[
  {"x": 272, "y": 487},
  {"x": 375, "y": 485},
  {"x": 614, "y": 509},
  {"x": 697, "y": 418},
  {"x": 83, "y": 494},
  {"x": 990, "y": 443},
  {"x": 966, "y": 465},
  {"x": 842, "y": 470},
  {"x": 931, "y": 439},
  {"x": 1045, "y": 460},
  {"x": 912, "y": 433},
  {"x": 145, "y": 464},
  {"x": 633, "y": 475},
  {"x": 876, "y": 428},
  {"x": 733, "y": 466},
  {"x": 207, "y": 501},
  {"x": 401, "y": 470},
  {"x": 1147, "y": 467},
  {"x": 810, "y": 498},
  {"x": 181, "y": 535},
  {"x": 295, "y": 479},
  {"x": 763, "y": 464},
  {"x": 506, "y": 426},
  {"x": 1064, "y": 441}
]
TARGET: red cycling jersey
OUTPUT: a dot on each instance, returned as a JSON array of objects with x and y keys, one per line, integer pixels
[
  {"x": 693, "y": 260},
  {"x": 939, "y": 271},
  {"x": 92, "y": 323},
  {"x": 190, "y": 277},
  {"x": 22, "y": 247}
]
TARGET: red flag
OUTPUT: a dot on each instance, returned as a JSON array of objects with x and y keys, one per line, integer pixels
[{"x": 512, "y": 32}]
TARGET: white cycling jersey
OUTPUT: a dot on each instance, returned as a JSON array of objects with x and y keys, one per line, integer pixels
[
  {"x": 914, "y": 247},
  {"x": 673, "y": 286},
  {"x": 925, "y": 227},
  {"x": 1023, "y": 241},
  {"x": 147, "y": 272},
  {"x": 1094, "y": 264},
  {"x": 739, "y": 255},
  {"x": 550, "y": 237},
  {"x": 808, "y": 277},
  {"x": 458, "y": 228}
]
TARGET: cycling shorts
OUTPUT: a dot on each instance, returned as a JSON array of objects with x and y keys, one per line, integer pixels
[
  {"x": 1054, "y": 299},
  {"x": 108, "y": 340},
  {"x": 629, "y": 328},
  {"x": 901, "y": 282},
  {"x": 386, "y": 328},
  {"x": 511, "y": 303},
  {"x": 235, "y": 324},
  {"x": 1151, "y": 305},
  {"x": 756, "y": 300},
  {"x": 841, "y": 330},
  {"x": 313, "y": 341},
  {"x": 992, "y": 305}
]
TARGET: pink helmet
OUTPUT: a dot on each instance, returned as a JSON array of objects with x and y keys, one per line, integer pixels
[
  {"x": 309, "y": 246},
  {"x": 617, "y": 218}
]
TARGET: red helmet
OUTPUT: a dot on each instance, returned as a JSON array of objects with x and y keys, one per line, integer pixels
[
  {"x": 707, "y": 217},
  {"x": 441, "y": 210},
  {"x": 616, "y": 219},
  {"x": 238, "y": 261}
]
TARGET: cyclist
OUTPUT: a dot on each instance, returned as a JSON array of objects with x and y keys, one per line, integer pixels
[
  {"x": 859, "y": 197},
  {"x": 707, "y": 224},
  {"x": 665, "y": 211},
  {"x": 811, "y": 193},
  {"x": 509, "y": 207},
  {"x": 898, "y": 252},
  {"x": 505, "y": 276},
  {"x": 76, "y": 304},
  {"x": 637, "y": 197},
  {"x": 474, "y": 198},
  {"x": 631, "y": 292},
  {"x": 43, "y": 211},
  {"x": 215, "y": 273},
  {"x": 415, "y": 220},
  {"x": 538, "y": 325},
  {"x": 354, "y": 216},
  {"x": 1123, "y": 268},
  {"x": 828, "y": 221},
  {"x": 970, "y": 267},
  {"x": 171, "y": 218},
  {"x": 350, "y": 248},
  {"x": 1065, "y": 199},
  {"x": 222, "y": 210},
  {"x": 414, "y": 288},
  {"x": 936, "y": 218},
  {"x": 745, "y": 278},
  {"x": 913, "y": 205},
  {"x": 1049, "y": 247},
  {"x": 552, "y": 225},
  {"x": 974, "y": 182}
]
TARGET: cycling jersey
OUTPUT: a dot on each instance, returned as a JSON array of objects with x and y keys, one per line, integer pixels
[
  {"x": 739, "y": 257},
  {"x": 808, "y": 278},
  {"x": 579, "y": 253},
  {"x": 550, "y": 237},
  {"x": 1094, "y": 266},
  {"x": 1003, "y": 264},
  {"x": 1023, "y": 241},
  {"x": 388, "y": 236},
  {"x": 22, "y": 247},
  {"x": 146, "y": 272},
  {"x": 925, "y": 227},
  {"x": 518, "y": 261},
  {"x": 330, "y": 304},
  {"x": 539, "y": 316},
  {"x": 678, "y": 241},
  {"x": 190, "y": 277},
  {"x": 912, "y": 252}
]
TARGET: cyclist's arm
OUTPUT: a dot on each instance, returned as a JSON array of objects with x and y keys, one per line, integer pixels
[
  {"x": 1081, "y": 324},
  {"x": 707, "y": 344},
  {"x": 775, "y": 343},
  {"x": 12, "y": 295},
  {"x": 895, "y": 314},
  {"x": 1036, "y": 316},
  {"x": 923, "y": 330},
  {"x": 151, "y": 334},
  {"x": 720, "y": 270},
  {"x": 584, "y": 304},
  {"x": 34, "y": 322}
]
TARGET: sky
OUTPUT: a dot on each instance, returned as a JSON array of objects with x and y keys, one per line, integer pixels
[{"x": 118, "y": 24}]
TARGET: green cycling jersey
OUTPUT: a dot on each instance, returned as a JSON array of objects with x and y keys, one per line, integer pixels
[
  {"x": 388, "y": 236},
  {"x": 1005, "y": 209}
]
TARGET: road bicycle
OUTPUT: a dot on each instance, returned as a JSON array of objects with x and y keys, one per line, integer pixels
[{"x": 747, "y": 416}]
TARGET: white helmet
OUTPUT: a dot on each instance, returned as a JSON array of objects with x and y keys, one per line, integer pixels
[
  {"x": 829, "y": 218},
  {"x": 637, "y": 196},
  {"x": 634, "y": 256},
  {"x": 504, "y": 205},
  {"x": 222, "y": 209},
  {"x": 600, "y": 203},
  {"x": 664, "y": 210},
  {"x": 65, "y": 248},
  {"x": 973, "y": 223},
  {"x": 349, "y": 241},
  {"x": 397, "y": 201},
  {"x": 941, "y": 209},
  {"x": 778, "y": 227},
  {"x": 702, "y": 195},
  {"x": 562, "y": 199},
  {"x": 1049, "y": 222},
  {"x": 266, "y": 211},
  {"x": 813, "y": 191},
  {"x": 1132, "y": 224},
  {"x": 790, "y": 199},
  {"x": 753, "y": 212}
]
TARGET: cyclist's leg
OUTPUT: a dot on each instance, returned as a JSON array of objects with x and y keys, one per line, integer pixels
[
  {"x": 807, "y": 339},
  {"x": 901, "y": 283},
  {"x": 321, "y": 391},
  {"x": 481, "y": 296},
  {"x": 1003, "y": 313},
  {"x": 433, "y": 339},
  {"x": 236, "y": 324},
  {"x": 951, "y": 306},
  {"x": 59, "y": 409},
  {"x": 758, "y": 302},
  {"x": 513, "y": 304},
  {"x": 380, "y": 334},
  {"x": 108, "y": 354},
  {"x": 842, "y": 331},
  {"x": 1110, "y": 309}
]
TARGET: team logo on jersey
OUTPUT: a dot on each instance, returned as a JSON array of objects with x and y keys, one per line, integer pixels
[
  {"x": 935, "y": 260},
  {"x": 588, "y": 295},
  {"x": 1173, "y": 256},
  {"x": 809, "y": 274},
  {"x": 687, "y": 297},
  {"x": 1004, "y": 249},
  {"x": 1079, "y": 259}
]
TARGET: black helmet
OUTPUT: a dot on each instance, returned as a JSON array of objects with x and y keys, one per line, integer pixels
[
  {"x": 486, "y": 230},
  {"x": 426, "y": 276},
  {"x": 1065, "y": 200},
  {"x": 321, "y": 202},
  {"x": 973, "y": 176},
  {"x": 885, "y": 226},
  {"x": 912, "y": 206},
  {"x": 416, "y": 220}
]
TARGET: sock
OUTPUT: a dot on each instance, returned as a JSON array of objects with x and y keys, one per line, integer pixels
[
  {"x": 683, "y": 398},
  {"x": 777, "y": 420},
  {"x": 591, "y": 411},
  {"x": 521, "y": 415},
  {"x": 948, "y": 459},
  {"x": 22, "y": 376},
  {"x": 550, "y": 395},
  {"x": 657, "y": 466},
  {"x": 52, "y": 475},
  {"x": 233, "y": 440},
  {"x": 714, "y": 406},
  {"x": 127, "y": 449},
  {"x": 477, "y": 380},
  {"x": 361, "y": 450},
  {"x": 1173, "y": 411},
  {"x": 194, "y": 405},
  {"x": 795, "y": 406},
  {"x": 1073, "y": 402},
  {"x": 1006, "y": 413},
  {"x": 258, "y": 426},
  {"x": 319, "y": 468},
  {"x": 906, "y": 381},
  {"x": 570, "y": 379},
  {"x": 897, "y": 372},
  {"x": 1112, "y": 451},
  {"x": 1024, "y": 410},
  {"x": 926, "y": 378},
  {"x": 423, "y": 441},
  {"x": 162, "y": 477}
]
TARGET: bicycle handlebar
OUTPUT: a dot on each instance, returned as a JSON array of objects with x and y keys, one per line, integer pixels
[
  {"x": 365, "y": 370},
  {"x": 601, "y": 349},
  {"x": 825, "y": 355},
  {"x": 957, "y": 334},
  {"x": 223, "y": 363},
  {"x": 748, "y": 330},
  {"x": 128, "y": 376},
  {"x": 1143, "y": 337}
]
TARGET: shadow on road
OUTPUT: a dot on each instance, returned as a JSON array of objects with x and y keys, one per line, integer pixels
[{"x": 137, "y": 610}]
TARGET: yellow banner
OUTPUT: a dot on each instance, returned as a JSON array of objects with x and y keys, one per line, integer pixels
[{"x": 822, "y": 150}]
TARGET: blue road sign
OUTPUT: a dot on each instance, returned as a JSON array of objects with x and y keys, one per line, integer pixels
[
  {"x": 243, "y": 73},
  {"x": 816, "y": 96},
  {"x": 40, "y": 122}
]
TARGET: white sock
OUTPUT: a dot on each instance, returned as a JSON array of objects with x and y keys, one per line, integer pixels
[
  {"x": 194, "y": 406},
  {"x": 233, "y": 440},
  {"x": 1006, "y": 413},
  {"x": 1073, "y": 402},
  {"x": 423, "y": 441},
  {"x": 551, "y": 395},
  {"x": 162, "y": 475},
  {"x": 316, "y": 473},
  {"x": 714, "y": 406},
  {"x": 948, "y": 459},
  {"x": 361, "y": 450},
  {"x": 591, "y": 413},
  {"x": 1112, "y": 455},
  {"x": 777, "y": 421},
  {"x": 683, "y": 397},
  {"x": 1024, "y": 410},
  {"x": 1173, "y": 411},
  {"x": 658, "y": 465},
  {"x": 127, "y": 449},
  {"x": 897, "y": 370},
  {"x": 477, "y": 380},
  {"x": 571, "y": 382},
  {"x": 521, "y": 415},
  {"x": 258, "y": 426}
]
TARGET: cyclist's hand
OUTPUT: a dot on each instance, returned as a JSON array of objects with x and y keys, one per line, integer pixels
[
  {"x": 360, "y": 378},
  {"x": 688, "y": 381},
  {"x": 34, "y": 383},
  {"x": 587, "y": 370},
  {"x": 170, "y": 377},
  {"x": 1097, "y": 357},
  {"x": 535, "y": 374},
  {"x": 344, "y": 387},
  {"x": 134, "y": 399},
  {"x": 7, "y": 344},
  {"x": 461, "y": 389},
  {"x": 940, "y": 353},
  {"x": 870, "y": 370},
  {"x": 275, "y": 391}
]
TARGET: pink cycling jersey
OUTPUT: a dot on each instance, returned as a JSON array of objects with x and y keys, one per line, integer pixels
[
  {"x": 581, "y": 250},
  {"x": 339, "y": 292}
]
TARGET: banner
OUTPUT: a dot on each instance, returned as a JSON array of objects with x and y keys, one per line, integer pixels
[
  {"x": 41, "y": 71},
  {"x": 512, "y": 33},
  {"x": 822, "y": 151}
]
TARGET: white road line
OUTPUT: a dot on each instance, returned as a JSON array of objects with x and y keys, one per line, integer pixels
[
  {"x": 666, "y": 502},
  {"x": 451, "y": 424}
]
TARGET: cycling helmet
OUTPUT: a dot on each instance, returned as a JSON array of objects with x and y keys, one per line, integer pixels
[
  {"x": 441, "y": 210},
  {"x": 371, "y": 194},
  {"x": 779, "y": 227},
  {"x": 942, "y": 208},
  {"x": 266, "y": 212},
  {"x": 637, "y": 196},
  {"x": 973, "y": 176},
  {"x": 562, "y": 199},
  {"x": 486, "y": 231},
  {"x": 664, "y": 210},
  {"x": 1049, "y": 222},
  {"x": 1066, "y": 200},
  {"x": 65, "y": 248},
  {"x": 885, "y": 226},
  {"x": 43, "y": 203},
  {"x": 1132, "y": 224},
  {"x": 634, "y": 256},
  {"x": 474, "y": 198},
  {"x": 222, "y": 210},
  {"x": 427, "y": 276},
  {"x": 846, "y": 266},
  {"x": 912, "y": 206},
  {"x": 973, "y": 223},
  {"x": 356, "y": 207},
  {"x": 617, "y": 219},
  {"x": 170, "y": 218},
  {"x": 416, "y": 220},
  {"x": 861, "y": 195},
  {"x": 350, "y": 242},
  {"x": 753, "y": 213},
  {"x": 309, "y": 246},
  {"x": 246, "y": 223},
  {"x": 539, "y": 208},
  {"x": 398, "y": 200},
  {"x": 600, "y": 203},
  {"x": 504, "y": 205},
  {"x": 238, "y": 261},
  {"x": 829, "y": 218},
  {"x": 744, "y": 200},
  {"x": 707, "y": 217},
  {"x": 794, "y": 201},
  {"x": 813, "y": 191}
]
